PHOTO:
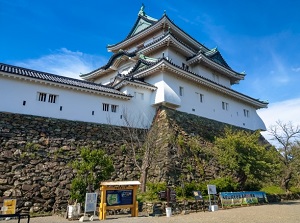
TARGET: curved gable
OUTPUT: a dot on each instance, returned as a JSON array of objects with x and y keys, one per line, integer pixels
[
  {"x": 111, "y": 61},
  {"x": 216, "y": 56},
  {"x": 143, "y": 21}
]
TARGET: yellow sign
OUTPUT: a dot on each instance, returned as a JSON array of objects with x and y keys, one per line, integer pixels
[
  {"x": 118, "y": 195},
  {"x": 9, "y": 206}
]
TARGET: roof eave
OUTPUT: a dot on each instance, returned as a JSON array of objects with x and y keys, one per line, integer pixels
[
  {"x": 167, "y": 39},
  {"x": 126, "y": 82},
  {"x": 234, "y": 76},
  {"x": 127, "y": 41},
  {"x": 164, "y": 64},
  {"x": 48, "y": 82}
]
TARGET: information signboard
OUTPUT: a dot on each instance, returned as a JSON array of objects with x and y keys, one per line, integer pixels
[
  {"x": 197, "y": 195},
  {"x": 211, "y": 189},
  {"x": 243, "y": 197},
  {"x": 90, "y": 202},
  {"x": 163, "y": 195},
  {"x": 119, "y": 197}
]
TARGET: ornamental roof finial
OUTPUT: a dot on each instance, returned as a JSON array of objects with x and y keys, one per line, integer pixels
[
  {"x": 164, "y": 13},
  {"x": 142, "y": 12}
]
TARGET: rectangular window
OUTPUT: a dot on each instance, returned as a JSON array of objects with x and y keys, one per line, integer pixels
[
  {"x": 225, "y": 105},
  {"x": 105, "y": 107},
  {"x": 200, "y": 97},
  {"x": 42, "y": 96},
  {"x": 114, "y": 108},
  {"x": 246, "y": 113},
  {"x": 181, "y": 91},
  {"x": 52, "y": 98}
]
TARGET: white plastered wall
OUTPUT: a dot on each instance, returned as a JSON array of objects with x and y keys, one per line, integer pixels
[
  {"x": 211, "y": 106},
  {"x": 70, "y": 104}
]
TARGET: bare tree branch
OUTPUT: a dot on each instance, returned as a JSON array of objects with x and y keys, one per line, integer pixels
[{"x": 287, "y": 135}]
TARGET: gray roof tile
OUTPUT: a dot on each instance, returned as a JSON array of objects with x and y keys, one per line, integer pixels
[{"x": 58, "y": 79}]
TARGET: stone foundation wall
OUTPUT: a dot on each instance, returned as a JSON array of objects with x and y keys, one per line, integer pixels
[{"x": 35, "y": 154}]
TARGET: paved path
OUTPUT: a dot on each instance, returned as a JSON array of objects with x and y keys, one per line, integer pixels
[{"x": 285, "y": 212}]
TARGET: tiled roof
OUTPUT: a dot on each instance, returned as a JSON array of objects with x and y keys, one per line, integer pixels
[
  {"x": 149, "y": 65},
  {"x": 141, "y": 65},
  {"x": 129, "y": 35},
  {"x": 111, "y": 60},
  {"x": 135, "y": 81},
  {"x": 58, "y": 79},
  {"x": 151, "y": 21},
  {"x": 216, "y": 56},
  {"x": 166, "y": 17}
]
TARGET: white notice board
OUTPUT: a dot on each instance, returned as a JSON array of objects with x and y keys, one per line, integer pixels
[
  {"x": 211, "y": 189},
  {"x": 90, "y": 202}
]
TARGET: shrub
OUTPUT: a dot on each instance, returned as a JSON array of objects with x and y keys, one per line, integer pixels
[
  {"x": 93, "y": 167},
  {"x": 225, "y": 184},
  {"x": 187, "y": 190},
  {"x": 273, "y": 190},
  {"x": 152, "y": 191}
]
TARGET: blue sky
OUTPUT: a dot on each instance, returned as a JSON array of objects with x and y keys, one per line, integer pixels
[{"x": 69, "y": 37}]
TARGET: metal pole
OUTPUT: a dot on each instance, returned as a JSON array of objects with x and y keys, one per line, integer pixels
[
  {"x": 209, "y": 202},
  {"x": 168, "y": 196}
]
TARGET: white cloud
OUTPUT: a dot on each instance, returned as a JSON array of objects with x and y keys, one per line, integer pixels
[
  {"x": 285, "y": 111},
  {"x": 65, "y": 63}
]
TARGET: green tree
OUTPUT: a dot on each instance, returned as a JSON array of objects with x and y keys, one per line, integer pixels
[
  {"x": 242, "y": 154},
  {"x": 93, "y": 167},
  {"x": 287, "y": 135},
  {"x": 296, "y": 166}
]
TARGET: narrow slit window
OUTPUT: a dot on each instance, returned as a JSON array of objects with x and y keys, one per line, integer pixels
[
  {"x": 225, "y": 106},
  {"x": 52, "y": 98},
  {"x": 246, "y": 113},
  {"x": 114, "y": 108},
  {"x": 105, "y": 107},
  {"x": 42, "y": 96},
  {"x": 181, "y": 91},
  {"x": 200, "y": 97}
]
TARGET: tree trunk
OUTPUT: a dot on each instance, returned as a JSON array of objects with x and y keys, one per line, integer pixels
[
  {"x": 286, "y": 179},
  {"x": 242, "y": 178},
  {"x": 143, "y": 179}
]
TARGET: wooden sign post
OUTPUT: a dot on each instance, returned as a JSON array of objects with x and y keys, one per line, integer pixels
[{"x": 118, "y": 195}]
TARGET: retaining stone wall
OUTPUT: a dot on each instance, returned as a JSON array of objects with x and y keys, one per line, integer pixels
[{"x": 35, "y": 153}]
